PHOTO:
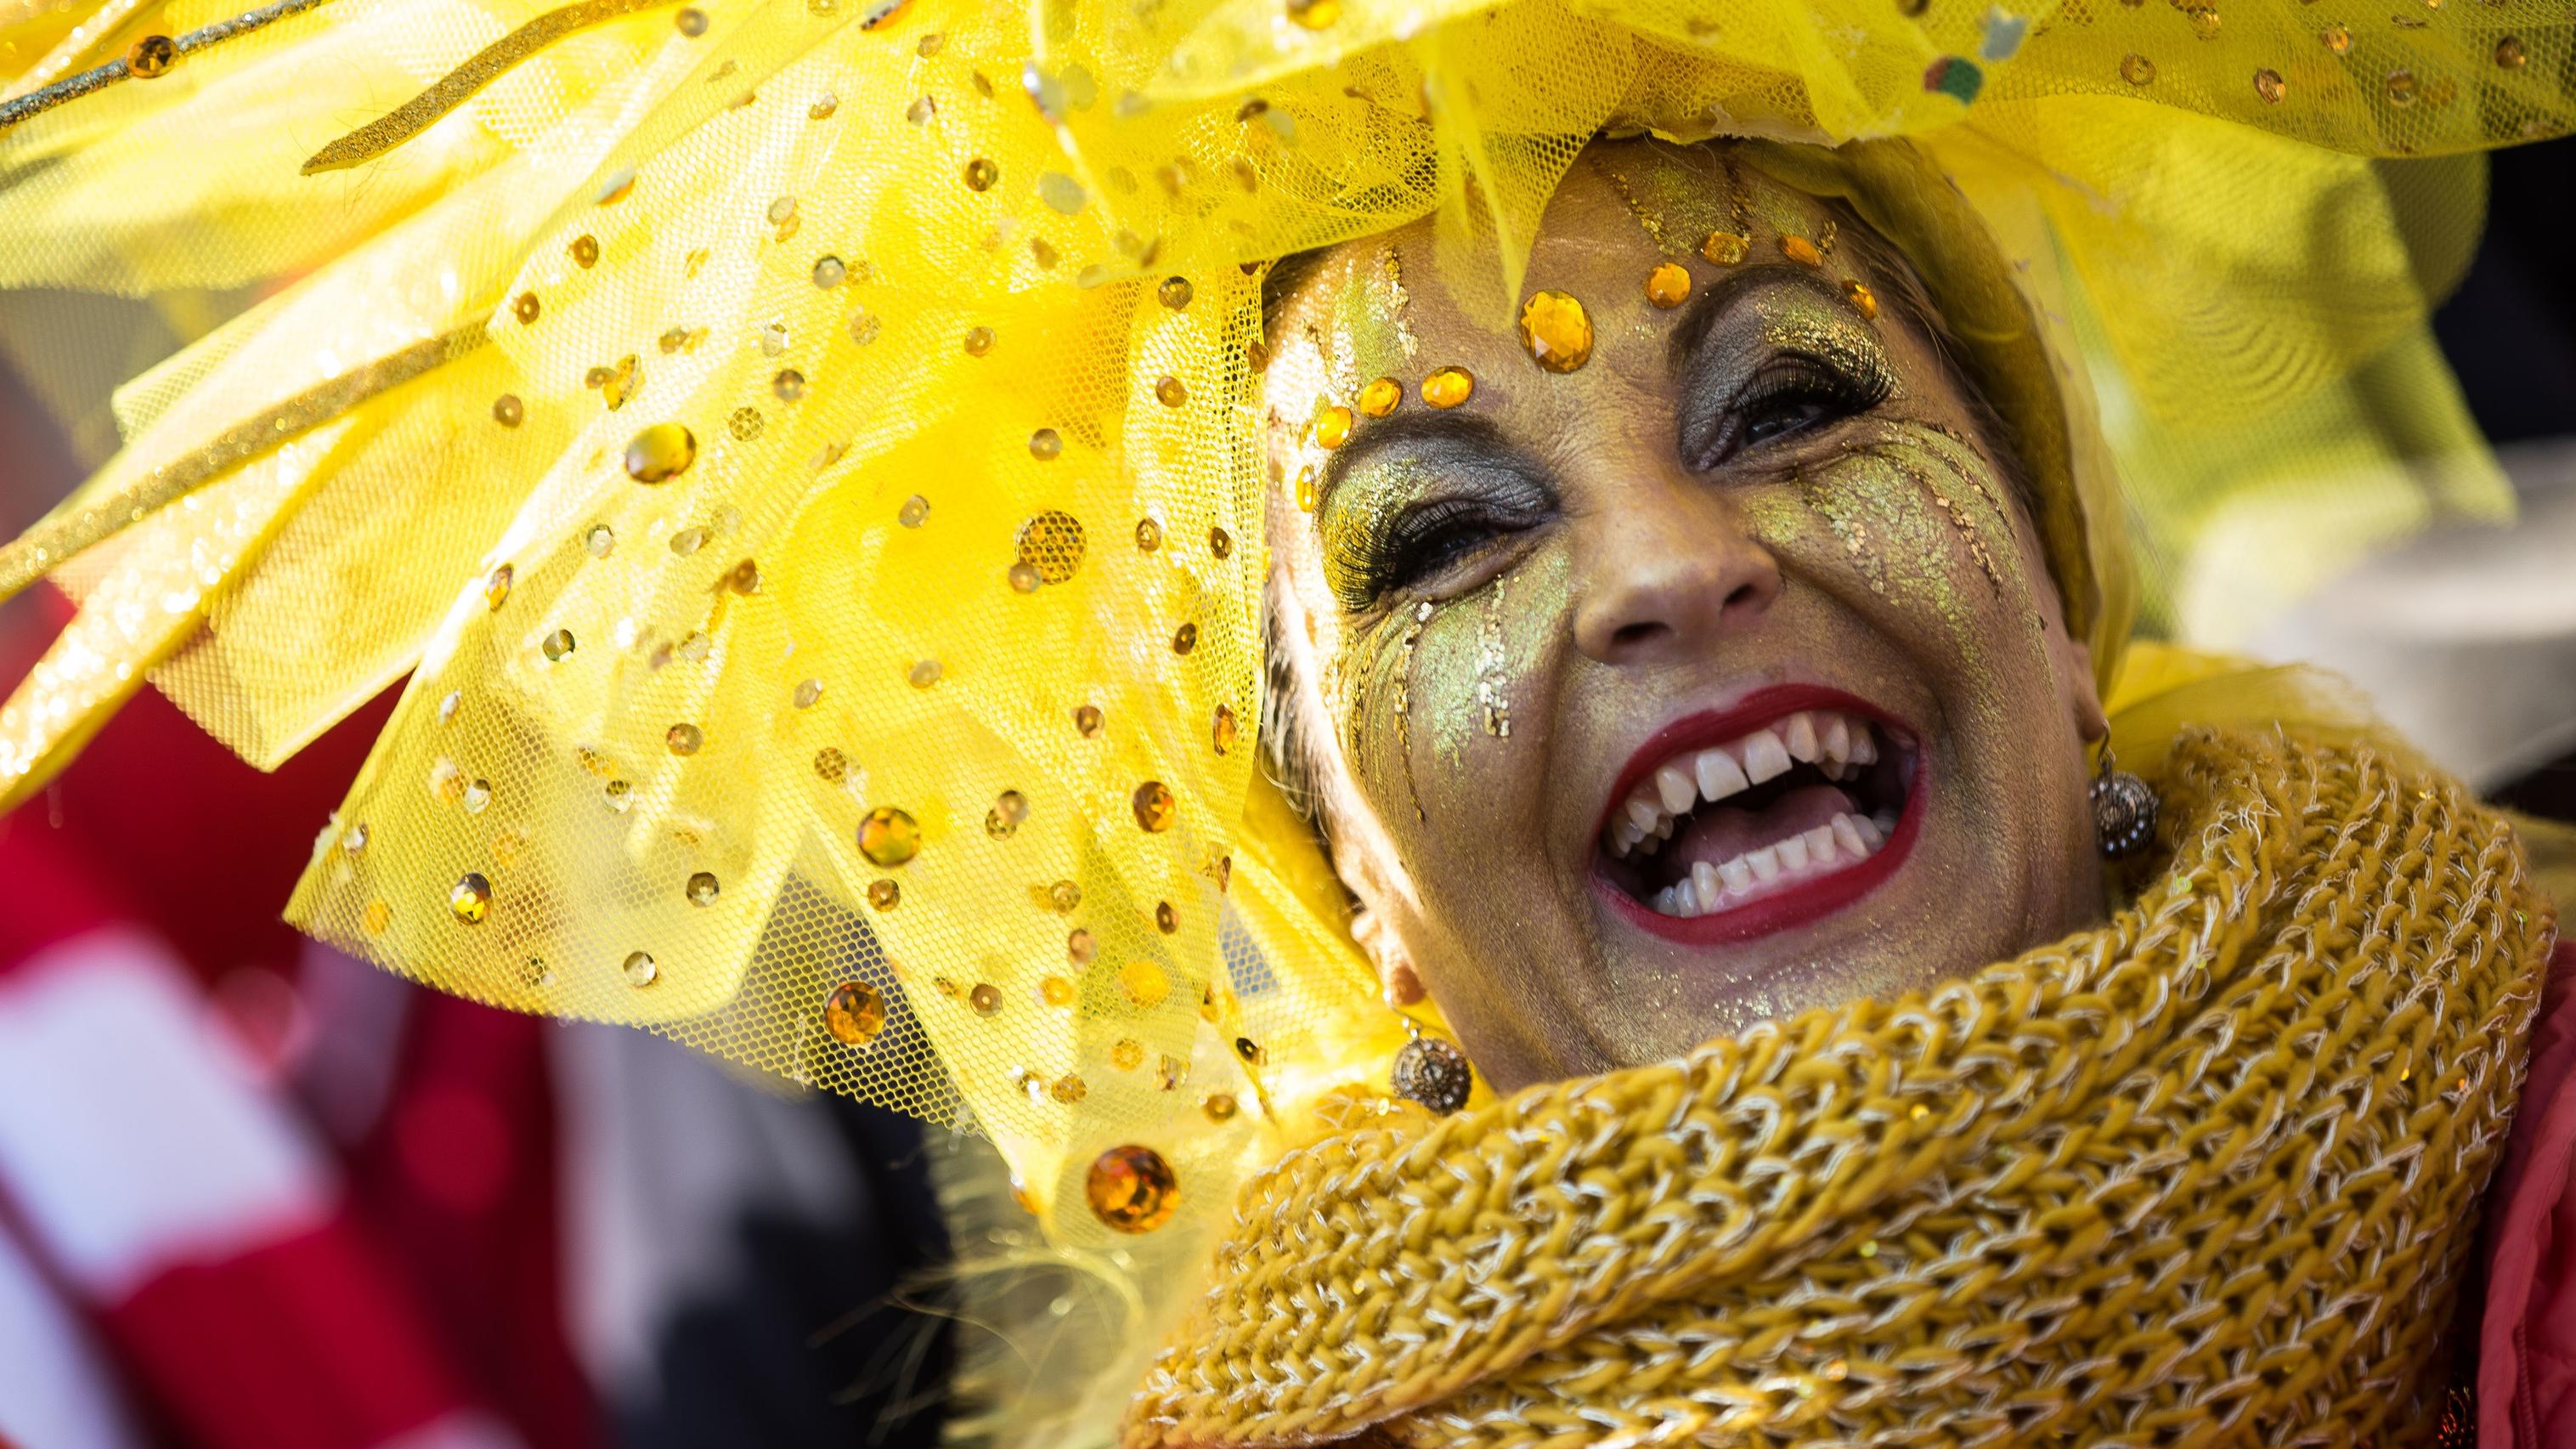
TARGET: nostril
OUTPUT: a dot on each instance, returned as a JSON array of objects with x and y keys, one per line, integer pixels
[
  {"x": 1745, "y": 595},
  {"x": 1629, "y": 636}
]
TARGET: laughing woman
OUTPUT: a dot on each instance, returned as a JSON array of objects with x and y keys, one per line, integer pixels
[{"x": 1466, "y": 672}]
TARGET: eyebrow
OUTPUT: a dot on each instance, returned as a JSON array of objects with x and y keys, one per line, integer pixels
[
  {"x": 1451, "y": 428},
  {"x": 1722, "y": 296}
]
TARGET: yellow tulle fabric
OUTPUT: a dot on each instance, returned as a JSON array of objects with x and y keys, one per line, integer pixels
[{"x": 958, "y": 306}]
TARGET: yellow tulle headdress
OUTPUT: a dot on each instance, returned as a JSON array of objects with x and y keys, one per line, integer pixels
[{"x": 799, "y": 451}]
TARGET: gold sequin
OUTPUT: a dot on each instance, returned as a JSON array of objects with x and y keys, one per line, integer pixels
[
  {"x": 1046, "y": 444},
  {"x": 1155, "y": 805},
  {"x": 2335, "y": 38},
  {"x": 923, "y": 673},
  {"x": 2137, "y": 70},
  {"x": 854, "y": 1013},
  {"x": 692, "y": 21},
  {"x": 1068, "y": 1089},
  {"x": 660, "y": 453},
  {"x": 1381, "y": 397},
  {"x": 1127, "y": 1054},
  {"x": 684, "y": 739},
  {"x": 1185, "y": 639},
  {"x": 2204, "y": 21},
  {"x": 641, "y": 969},
  {"x": 1726, "y": 248},
  {"x": 151, "y": 57},
  {"x": 378, "y": 916},
  {"x": 1079, "y": 947},
  {"x": 788, "y": 385},
  {"x": 1556, "y": 331},
  {"x": 1166, "y": 919},
  {"x": 557, "y": 646},
  {"x": 585, "y": 251},
  {"x": 508, "y": 411},
  {"x": 1220, "y": 542},
  {"x": 1052, "y": 544},
  {"x": 1668, "y": 285},
  {"x": 2268, "y": 85},
  {"x": 1175, "y": 292},
  {"x": 1447, "y": 387},
  {"x": 2509, "y": 53},
  {"x": 1086, "y": 720},
  {"x": 888, "y": 837},
  {"x": 1055, "y": 991},
  {"x": 525, "y": 307},
  {"x": 986, "y": 998},
  {"x": 981, "y": 174},
  {"x": 1315, "y": 14},
  {"x": 1170, "y": 392},
  {"x": 701, "y": 889},
  {"x": 1009, "y": 809},
  {"x": 2402, "y": 87},
  {"x": 1219, "y": 1106},
  {"x": 1149, "y": 535},
  {"x": 1222, "y": 733},
  {"x": 979, "y": 340},
  {"x": 471, "y": 899},
  {"x": 1145, "y": 983},
  {"x": 496, "y": 587}
]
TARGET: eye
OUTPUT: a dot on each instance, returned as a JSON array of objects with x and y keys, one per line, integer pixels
[
  {"x": 1788, "y": 395},
  {"x": 1425, "y": 545}
]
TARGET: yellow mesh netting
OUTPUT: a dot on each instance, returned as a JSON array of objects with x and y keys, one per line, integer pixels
[{"x": 901, "y": 742}]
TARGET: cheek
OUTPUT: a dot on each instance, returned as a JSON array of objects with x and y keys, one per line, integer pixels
[{"x": 1921, "y": 534}]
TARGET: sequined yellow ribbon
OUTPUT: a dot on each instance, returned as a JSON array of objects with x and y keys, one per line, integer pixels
[
  {"x": 459, "y": 85},
  {"x": 83, "y": 523}
]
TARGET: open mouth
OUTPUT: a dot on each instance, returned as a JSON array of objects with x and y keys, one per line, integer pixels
[{"x": 1732, "y": 825}]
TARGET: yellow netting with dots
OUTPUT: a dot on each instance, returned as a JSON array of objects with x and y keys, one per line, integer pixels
[{"x": 826, "y": 546}]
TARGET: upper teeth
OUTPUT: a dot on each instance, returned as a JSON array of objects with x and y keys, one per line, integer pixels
[{"x": 1837, "y": 744}]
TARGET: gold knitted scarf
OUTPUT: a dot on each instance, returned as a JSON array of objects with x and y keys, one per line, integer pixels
[{"x": 2205, "y": 1175}]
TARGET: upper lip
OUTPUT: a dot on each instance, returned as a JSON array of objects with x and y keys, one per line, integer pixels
[{"x": 1719, "y": 726}]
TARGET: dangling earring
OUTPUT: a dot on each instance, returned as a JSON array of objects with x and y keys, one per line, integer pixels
[
  {"x": 2124, "y": 811},
  {"x": 1432, "y": 1072}
]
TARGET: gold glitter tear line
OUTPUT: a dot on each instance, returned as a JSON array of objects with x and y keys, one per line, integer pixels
[
  {"x": 88, "y": 82},
  {"x": 65, "y": 535},
  {"x": 460, "y": 85}
]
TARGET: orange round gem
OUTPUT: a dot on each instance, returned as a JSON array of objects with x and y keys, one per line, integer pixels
[
  {"x": 1223, "y": 733},
  {"x": 1861, "y": 296},
  {"x": 1800, "y": 250},
  {"x": 1557, "y": 331},
  {"x": 1332, "y": 425},
  {"x": 1448, "y": 387},
  {"x": 1132, "y": 1189},
  {"x": 1669, "y": 285},
  {"x": 854, "y": 1013},
  {"x": 1381, "y": 397},
  {"x": 1055, "y": 991},
  {"x": 1726, "y": 248},
  {"x": 151, "y": 56},
  {"x": 660, "y": 453}
]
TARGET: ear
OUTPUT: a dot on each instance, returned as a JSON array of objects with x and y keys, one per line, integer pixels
[
  {"x": 2083, "y": 696},
  {"x": 1381, "y": 923}
]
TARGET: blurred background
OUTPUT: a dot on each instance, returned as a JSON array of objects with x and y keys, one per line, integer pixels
[{"x": 253, "y": 1193}]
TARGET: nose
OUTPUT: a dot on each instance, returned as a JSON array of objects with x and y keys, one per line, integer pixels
[{"x": 1668, "y": 576}]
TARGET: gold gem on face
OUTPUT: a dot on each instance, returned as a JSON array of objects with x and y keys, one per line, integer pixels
[
  {"x": 1556, "y": 331},
  {"x": 1447, "y": 387},
  {"x": 1726, "y": 248},
  {"x": 1381, "y": 397},
  {"x": 1802, "y": 251},
  {"x": 1861, "y": 297},
  {"x": 1668, "y": 285},
  {"x": 1332, "y": 426}
]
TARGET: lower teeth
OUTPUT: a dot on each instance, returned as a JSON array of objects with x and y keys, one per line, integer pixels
[{"x": 1847, "y": 840}]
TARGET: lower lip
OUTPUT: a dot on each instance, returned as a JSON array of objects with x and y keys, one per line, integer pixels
[{"x": 1806, "y": 901}]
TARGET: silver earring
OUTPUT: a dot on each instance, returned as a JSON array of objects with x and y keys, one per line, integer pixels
[
  {"x": 2124, "y": 811},
  {"x": 1432, "y": 1072}
]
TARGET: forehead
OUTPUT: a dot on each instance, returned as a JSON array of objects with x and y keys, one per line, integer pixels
[{"x": 1622, "y": 208}]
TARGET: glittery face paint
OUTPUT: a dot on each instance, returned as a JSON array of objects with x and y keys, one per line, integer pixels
[{"x": 1768, "y": 491}]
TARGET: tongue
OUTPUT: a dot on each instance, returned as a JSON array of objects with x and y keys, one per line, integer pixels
[{"x": 1719, "y": 834}]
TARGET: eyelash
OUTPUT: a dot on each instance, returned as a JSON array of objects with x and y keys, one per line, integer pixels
[
  {"x": 1832, "y": 392},
  {"x": 1424, "y": 543}
]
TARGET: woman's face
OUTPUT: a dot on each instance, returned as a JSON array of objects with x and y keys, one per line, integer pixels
[{"x": 1715, "y": 678}]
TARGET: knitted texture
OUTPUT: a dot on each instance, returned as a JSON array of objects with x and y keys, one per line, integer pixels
[{"x": 2207, "y": 1174}]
